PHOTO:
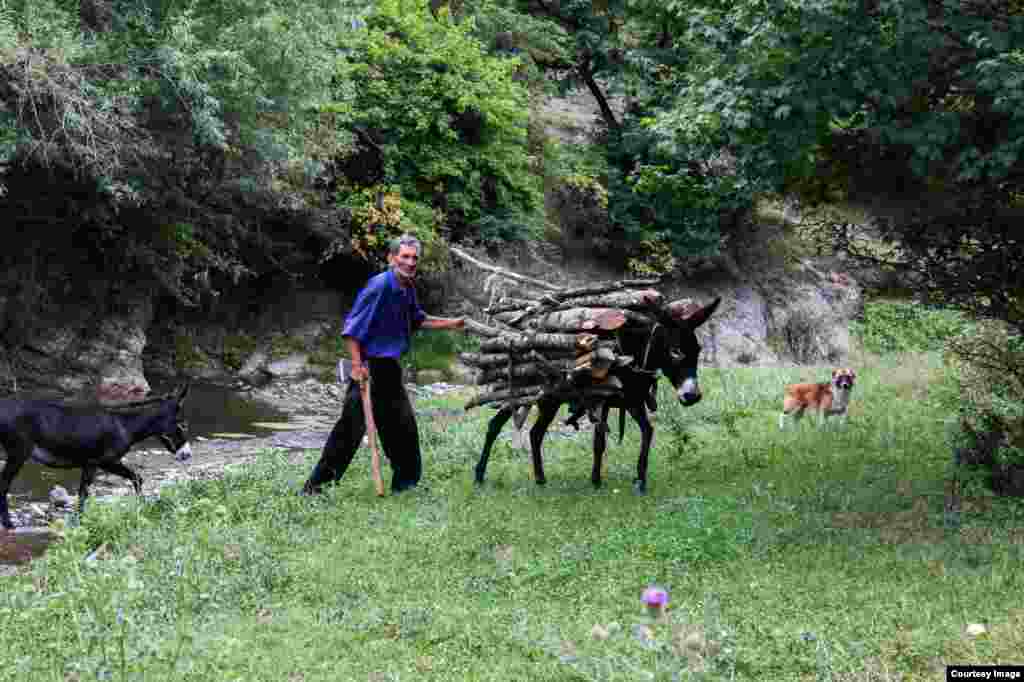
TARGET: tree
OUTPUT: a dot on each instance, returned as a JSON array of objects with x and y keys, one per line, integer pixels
[{"x": 437, "y": 118}]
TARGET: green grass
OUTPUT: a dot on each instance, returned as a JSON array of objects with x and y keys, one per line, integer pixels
[{"x": 800, "y": 555}]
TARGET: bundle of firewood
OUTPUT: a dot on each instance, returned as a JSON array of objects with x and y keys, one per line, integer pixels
[{"x": 555, "y": 341}]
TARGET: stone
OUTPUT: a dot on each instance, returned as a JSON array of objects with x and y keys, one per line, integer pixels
[
  {"x": 59, "y": 497},
  {"x": 254, "y": 365},
  {"x": 429, "y": 376},
  {"x": 462, "y": 373},
  {"x": 291, "y": 366}
]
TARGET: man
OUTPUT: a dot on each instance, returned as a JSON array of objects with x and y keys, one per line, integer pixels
[{"x": 377, "y": 333}]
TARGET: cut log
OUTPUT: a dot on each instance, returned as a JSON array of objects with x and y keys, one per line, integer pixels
[
  {"x": 642, "y": 300},
  {"x": 636, "y": 299},
  {"x": 580, "y": 320},
  {"x": 490, "y": 360},
  {"x": 526, "y": 370},
  {"x": 529, "y": 341},
  {"x": 507, "y": 305},
  {"x": 505, "y": 394},
  {"x": 604, "y": 288},
  {"x": 474, "y": 327}
]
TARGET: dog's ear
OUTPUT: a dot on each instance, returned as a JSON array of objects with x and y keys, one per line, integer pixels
[{"x": 835, "y": 373}]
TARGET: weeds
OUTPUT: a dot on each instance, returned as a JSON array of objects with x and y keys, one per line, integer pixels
[{"x": 803, "y": 554}]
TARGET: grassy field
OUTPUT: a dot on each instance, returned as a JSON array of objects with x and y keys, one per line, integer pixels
[{"x": 796, "y": 555}]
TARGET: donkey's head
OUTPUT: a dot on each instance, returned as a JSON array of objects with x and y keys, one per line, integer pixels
[
  {"x": 174, "y": 429},
  {"x": 678, "y": 350}
]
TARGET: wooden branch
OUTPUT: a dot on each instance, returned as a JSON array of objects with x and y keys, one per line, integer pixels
[
  {"x": 608, "y": 295},
  {"x": 580, "y": 320},
  {"x": 502, "y": 271},
  {"x": 494, "y": 396},
  {"x": 528, "y": 395},
  {"x": 604, "y": 288},
  {"x": 527, "y": 370},
  {"x": 507, "y": 305},
  {"x": 512, "y": 342},
  {"x": 488, "y": 360},
  {"x": 636, "y": 299},
  {"x": 474, "y": 327}
]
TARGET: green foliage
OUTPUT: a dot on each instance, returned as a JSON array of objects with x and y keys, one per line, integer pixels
[
  {"x": 902, "y": 326},
  {"x": 989, "y": 364},
  {"x": 753, "y": 532},
  {"x": 443, "y": 118}
]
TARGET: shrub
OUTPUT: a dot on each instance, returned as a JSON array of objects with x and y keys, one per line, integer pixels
[
  {"x": 989, "y": 364},
  {"x": 904, "y": 326}
]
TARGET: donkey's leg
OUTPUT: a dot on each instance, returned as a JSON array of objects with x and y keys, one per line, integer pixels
[
  {"x": 547, "y": 409},
  {"x": 119, "y": 469},
  {"x": 600, "y": 441},
  {"x": 639, "y": 414},
  {"x": 16, "y": 457},
  {"x": 88, "y": 475},
  {"x": 493, "y": 429}
]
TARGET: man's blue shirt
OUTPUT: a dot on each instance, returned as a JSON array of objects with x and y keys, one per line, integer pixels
[{"x": 384, "y": 316}]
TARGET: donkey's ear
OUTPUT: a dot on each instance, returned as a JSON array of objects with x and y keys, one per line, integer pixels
[{"x": 690, "y": 313}]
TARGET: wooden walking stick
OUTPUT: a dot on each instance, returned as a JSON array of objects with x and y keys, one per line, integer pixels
[{"x": 371, "y": 433}]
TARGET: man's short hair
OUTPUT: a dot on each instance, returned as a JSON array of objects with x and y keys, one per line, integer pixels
[{"x": 405, "y": 240}]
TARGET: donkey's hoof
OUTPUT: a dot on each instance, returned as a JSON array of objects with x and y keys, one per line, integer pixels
[{"x": 640, "y": 487}]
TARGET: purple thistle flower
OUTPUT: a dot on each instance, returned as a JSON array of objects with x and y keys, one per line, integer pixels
[{"x": 655, "y": 599}]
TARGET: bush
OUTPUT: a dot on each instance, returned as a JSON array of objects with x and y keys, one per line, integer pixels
[
  {"x": 989, "y": 364},
  {"x": 902, "y": 326}
]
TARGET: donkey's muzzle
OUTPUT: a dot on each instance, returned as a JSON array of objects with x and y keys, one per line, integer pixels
[
  {"x": 689, "y": 393},
  {"x": 184, "y": 453}
]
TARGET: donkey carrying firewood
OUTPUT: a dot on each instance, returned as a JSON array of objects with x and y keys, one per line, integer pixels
[{"x": 669, "y": 345}]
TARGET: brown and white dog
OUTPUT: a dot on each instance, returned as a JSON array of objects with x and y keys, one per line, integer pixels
[{"x": 827, "y": 398}]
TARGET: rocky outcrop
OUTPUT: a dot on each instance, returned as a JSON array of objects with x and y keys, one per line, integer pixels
[{"x": 83, "y": 351}]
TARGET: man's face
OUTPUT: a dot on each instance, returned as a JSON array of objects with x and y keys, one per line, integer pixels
[{"x": 405, "y": 261}]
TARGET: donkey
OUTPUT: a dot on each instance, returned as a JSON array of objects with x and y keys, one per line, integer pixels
[
  {"x": 670, "y": 345},
  {"x": 66, "y": 436}
]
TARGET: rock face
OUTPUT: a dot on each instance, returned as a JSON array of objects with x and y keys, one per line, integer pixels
[
  {"x": 82, "y": 352},
  {"x": 799, "y": 317}
]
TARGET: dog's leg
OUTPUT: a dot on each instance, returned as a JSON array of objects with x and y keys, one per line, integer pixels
[{"x": 793, "y": 415}]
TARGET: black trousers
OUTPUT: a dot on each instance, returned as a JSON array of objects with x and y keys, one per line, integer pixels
[{"x": 396, "y": 430}]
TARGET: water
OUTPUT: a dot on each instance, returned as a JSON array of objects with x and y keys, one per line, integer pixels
[{"x": 209, "y": 409}]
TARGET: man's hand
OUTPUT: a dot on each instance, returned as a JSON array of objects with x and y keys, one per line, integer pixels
[
  {"x": 360, "y": 372},
  {"x": 444, "y": 323}
]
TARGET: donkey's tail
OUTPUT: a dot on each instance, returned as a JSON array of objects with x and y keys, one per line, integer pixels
[{"x": 622, "y": 424}]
